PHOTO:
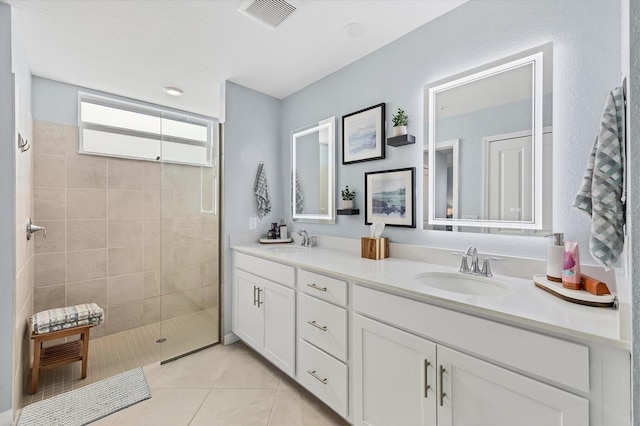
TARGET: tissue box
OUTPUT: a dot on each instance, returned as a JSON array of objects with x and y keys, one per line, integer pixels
[{"x": 374, "y": 248}]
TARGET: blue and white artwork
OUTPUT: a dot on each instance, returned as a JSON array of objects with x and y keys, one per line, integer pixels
[
  {"x": 389, "y": 198},
  {"x": 361, "y": 135}
]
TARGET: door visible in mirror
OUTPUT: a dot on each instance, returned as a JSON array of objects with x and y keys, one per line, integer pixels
[{"x": 491, "y": 171}]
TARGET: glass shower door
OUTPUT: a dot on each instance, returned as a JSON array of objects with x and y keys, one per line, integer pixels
[{"x": 190, "y": 258}]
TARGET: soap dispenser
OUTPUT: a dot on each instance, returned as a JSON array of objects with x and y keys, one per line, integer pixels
[{"x": 555, "y": 257}]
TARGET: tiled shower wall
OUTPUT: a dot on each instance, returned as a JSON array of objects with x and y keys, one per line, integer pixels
[{"x": 112, "y": 240}]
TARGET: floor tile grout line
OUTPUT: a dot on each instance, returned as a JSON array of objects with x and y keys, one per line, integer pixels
[
  {"x": 200, "y": 406},
  {"x": 273, "y": 404}
]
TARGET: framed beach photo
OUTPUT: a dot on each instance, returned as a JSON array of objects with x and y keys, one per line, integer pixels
[
  {"x": 390, "y": 197},
  {"x": 363, "y": 136}
]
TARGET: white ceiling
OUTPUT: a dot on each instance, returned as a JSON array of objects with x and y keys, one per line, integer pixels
[{"x": 135, "y": 48}]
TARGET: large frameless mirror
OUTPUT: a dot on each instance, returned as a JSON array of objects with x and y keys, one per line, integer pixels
[
  {"x": 487, "y": 164},
  {"x": 313, "y": 172}
]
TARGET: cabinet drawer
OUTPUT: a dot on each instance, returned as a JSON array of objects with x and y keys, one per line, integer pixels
[
  {"x": 323, "y": 324},
  {"x": 277, "y": 272},
  {"x": 542, "y": 356},
  {"x": 324, "y": 376},
  {"x": 323, "y": 287}
]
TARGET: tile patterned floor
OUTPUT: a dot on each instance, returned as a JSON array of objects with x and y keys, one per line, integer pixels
[
  {"x": 220, "y": 385},
  {"x": 223, "y": 385}
]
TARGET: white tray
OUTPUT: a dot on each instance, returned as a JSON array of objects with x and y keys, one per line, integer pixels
[
  {"x": 581, "y": 297},
  {"x": 280, "y": 241}
]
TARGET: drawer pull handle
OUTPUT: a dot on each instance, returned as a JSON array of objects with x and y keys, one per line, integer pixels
[
  {"x": 442, "y": 394},
  {"x": 260, "y": 302},
  {"x": 316, "y": 287},
  {"x": 426, "y": 378},
  {"x": 255, "y": 298},
  {"x": 318, "y": 378},
  {"x": 318, "y": 326}
]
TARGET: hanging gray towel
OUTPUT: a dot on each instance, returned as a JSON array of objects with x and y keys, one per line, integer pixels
[
  {"x": 299, "y": 195},
  {"x": 602, "y": 191},
  {"x": 261, "y": 189}
]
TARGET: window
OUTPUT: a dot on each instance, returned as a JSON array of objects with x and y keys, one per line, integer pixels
[{"x": 121, "y": 129}]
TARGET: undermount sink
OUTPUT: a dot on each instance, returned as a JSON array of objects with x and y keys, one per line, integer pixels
[
  {"x": 463, "y": 284},
  {"x": 286, "y": 249}
]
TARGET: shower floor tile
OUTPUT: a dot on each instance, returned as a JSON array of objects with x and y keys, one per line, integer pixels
[{"x": 120, "y": 352}]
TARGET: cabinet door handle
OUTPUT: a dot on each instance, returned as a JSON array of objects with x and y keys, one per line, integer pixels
[
  {"x": 442, "y": 394},
  {"x": 316, "y": 287},
  {"x": 426, "y": 378},
  {"x": 255, "y": 298},
  {"x": 318, "y": 326},
  {"x": 260, "y": 302},
  {"x": 318, "y": 378}
]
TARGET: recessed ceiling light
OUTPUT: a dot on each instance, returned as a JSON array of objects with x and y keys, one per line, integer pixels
[
  {"x": 353, "y": 30},
  {"x": 173, "y": 91}
]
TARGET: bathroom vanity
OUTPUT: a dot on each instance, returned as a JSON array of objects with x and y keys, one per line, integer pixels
[{"x": 380, "y": 343}]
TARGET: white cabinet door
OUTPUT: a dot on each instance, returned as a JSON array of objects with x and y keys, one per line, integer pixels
[
  {"x": 478, "y": 393},
  {"x": 265, "y": 318},
  {"x": 278, "y": 303},
  {"x": 248, "y": 324},
  {"x": 394, "y": 376}
]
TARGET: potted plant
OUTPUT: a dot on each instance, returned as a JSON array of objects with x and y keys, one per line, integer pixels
[
  {"x": 400, "y": 122},
  {"x": 347, "y": 198}
]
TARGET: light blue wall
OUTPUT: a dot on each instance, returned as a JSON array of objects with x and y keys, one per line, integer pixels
[
  {"x": 57, "y": 102},
  {"x": 22, "y": 75},
  {"x": 7, "y": 211},
  {"x": 251, "y": 135},
  {"x": 586, "y": 49},
  {"x": 631, "y": 56},
  {"x": 13, "y": 65}
]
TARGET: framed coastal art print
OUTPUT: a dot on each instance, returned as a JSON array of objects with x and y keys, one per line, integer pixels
[
  {"x": 390, "y": 197},
  {"x": 363, "y": 136}
]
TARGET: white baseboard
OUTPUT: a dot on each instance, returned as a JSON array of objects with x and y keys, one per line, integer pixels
[
  {"x": 6, "y": 418},
  {"x": 230, "y": 338}
]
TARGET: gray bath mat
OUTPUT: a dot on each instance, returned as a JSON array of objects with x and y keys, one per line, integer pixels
[{"x": 88, "y": 403}]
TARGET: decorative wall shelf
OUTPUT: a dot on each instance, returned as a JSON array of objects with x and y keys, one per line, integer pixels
[
  {"x": 349, "y": 212},
  {"x": 401, "y": 140}
]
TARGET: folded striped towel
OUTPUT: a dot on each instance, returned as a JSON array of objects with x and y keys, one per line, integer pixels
[
  {"x": 602, "y": 191},
  {"x": 68, "y": 317},
  {"x": 261, "y": 189}
]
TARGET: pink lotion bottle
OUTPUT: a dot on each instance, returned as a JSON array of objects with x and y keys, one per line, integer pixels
[{"x": 571, "y": 276}]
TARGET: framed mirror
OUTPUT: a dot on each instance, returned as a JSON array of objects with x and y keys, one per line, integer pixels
[
  {"x": 489, "y": 130},
  {"x": 313, "y": 169}
]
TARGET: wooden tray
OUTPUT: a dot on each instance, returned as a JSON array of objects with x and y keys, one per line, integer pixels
[
  {"x": 280, "y": 241},
  {"x": 580, "y": 297}
]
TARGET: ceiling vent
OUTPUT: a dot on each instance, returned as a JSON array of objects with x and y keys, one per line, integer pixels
[{"x": 269, "y": 12}]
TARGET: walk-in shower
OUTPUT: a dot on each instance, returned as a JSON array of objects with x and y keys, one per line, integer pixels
[{"x": 136, "y": 234}]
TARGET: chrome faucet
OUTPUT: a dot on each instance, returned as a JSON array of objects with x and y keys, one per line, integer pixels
[
  {"x": 307, "y": 241},
  {"x": 471, "y": 251},
  {"x": 474, "y": 269},
  {"x": 305, "y": 236}
]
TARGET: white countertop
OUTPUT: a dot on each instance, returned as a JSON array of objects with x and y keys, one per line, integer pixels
[{"x": 526, "y": 305}]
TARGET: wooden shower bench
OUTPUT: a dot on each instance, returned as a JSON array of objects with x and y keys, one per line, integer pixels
[{"x": 60, "y": 354}]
